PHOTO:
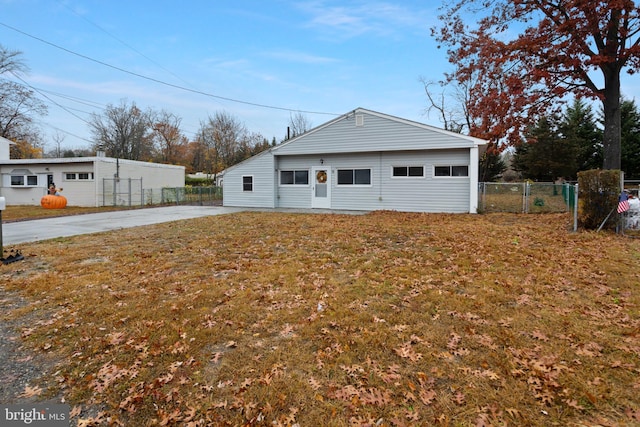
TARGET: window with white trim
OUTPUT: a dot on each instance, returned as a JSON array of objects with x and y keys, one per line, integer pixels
[
  {"x": 407, "y": 171},
  {"x": 294, "y": 177},
  {"x": 247, "y": 183},
  {"x": 81, "y": 176},
  {"x": 354, "y": 176},
  {"x": 23, "y": 178},
  {"x": 455, "y": 171}
]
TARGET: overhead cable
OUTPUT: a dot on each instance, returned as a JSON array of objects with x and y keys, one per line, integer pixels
[{"x": 186, "y": 89}]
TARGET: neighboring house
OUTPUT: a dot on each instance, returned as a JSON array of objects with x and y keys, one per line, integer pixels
[
  {"x": 362, "y": 160},
  {"x": 86, "y": 181}
]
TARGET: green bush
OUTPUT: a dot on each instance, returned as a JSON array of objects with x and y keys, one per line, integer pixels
[
  {"x": 598, "y": 195},
  {"x": 198, "y": 182}
]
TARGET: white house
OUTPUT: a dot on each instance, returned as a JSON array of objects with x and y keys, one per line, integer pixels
[
  {"x": 86, "y": 181},
  {"x": 362, "y": 160}
]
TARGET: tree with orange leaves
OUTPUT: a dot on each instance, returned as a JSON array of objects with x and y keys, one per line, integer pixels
[{"x": 525, "y": 57}]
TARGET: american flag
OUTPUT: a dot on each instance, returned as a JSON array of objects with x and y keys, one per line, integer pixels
[{"x": 623, "y": 203}]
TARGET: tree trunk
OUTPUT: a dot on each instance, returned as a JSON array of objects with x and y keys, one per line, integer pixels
[{"x": 612, "y": 120}]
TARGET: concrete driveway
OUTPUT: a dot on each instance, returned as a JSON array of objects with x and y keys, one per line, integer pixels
[{"x": 51, "y": 228}]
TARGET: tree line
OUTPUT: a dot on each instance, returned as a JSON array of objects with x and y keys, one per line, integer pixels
[
  {"x": 558, "y": 146},
  {"x": 516, "y": 66},
  {"x": 129, "y": 132}
]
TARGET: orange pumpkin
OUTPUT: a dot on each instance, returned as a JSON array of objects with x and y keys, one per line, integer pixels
[{"x": 53, "y": 202}]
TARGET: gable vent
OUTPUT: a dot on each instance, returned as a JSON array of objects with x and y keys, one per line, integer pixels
[{"x": 359, "y": 119}]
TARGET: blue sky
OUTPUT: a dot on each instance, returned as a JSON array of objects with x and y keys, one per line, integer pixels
[
  {"x": 320, "y": 56},
  {"x": 317, "y": 56}
]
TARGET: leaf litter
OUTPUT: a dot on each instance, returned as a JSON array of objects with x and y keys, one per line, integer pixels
[{"x": 381, "y": 319}]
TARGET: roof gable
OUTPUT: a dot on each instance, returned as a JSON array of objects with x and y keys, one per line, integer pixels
[{"x": 364, "y": 130}]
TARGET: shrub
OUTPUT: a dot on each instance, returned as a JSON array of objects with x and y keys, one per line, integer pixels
[
  {"x": 198, "y": 182},
  {"x": 598, "y": 195}
]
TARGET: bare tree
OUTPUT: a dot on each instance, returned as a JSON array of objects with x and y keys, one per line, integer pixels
[
  {"x": 123, "y": 131},
  {"x": 298, "y": 124},
  {"x": 166, "y": 136},
  {"x": 18, "y": 104},
  {"x": 58, "y": 138},
  {"x": 11, "y": 62},
  {"x": 223, "y": 135}
]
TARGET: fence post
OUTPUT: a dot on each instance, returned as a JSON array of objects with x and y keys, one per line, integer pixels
[{"x": 575, "y": 209}]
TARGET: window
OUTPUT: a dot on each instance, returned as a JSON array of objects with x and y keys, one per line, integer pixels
[
  {"x": 451, "y": 171},
  {"x": 247, "y": 183},
  {"x": 72, "y": 176},
  {"x": 300, "y": 177},
  {"x": 408, "y": 171},
  {"x": 354, "y": 176},
  {"x": 23, "y": 178}
]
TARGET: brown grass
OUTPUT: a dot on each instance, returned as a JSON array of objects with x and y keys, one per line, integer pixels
[
  {"x": 387, "y": 319},
  {"x": 25, "y": 212}
]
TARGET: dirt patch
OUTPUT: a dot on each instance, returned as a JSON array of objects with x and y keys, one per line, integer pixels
[{"x": 21, "y": 370}]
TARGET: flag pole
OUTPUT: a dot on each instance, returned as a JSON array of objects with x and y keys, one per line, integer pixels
[{"x": 605, "y": 220}]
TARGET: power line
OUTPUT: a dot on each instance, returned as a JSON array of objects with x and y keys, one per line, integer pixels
[
  {"x": 163, "y": 82},
  {"x": 50, "y": 100},
  {"x": 122, "y": 42}
]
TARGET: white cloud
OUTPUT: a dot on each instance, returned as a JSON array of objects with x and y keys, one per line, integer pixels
[
  {"x": 360, "y": 18},
  {"x": 299, "y": 57}
]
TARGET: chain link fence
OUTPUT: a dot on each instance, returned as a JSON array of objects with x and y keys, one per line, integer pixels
[
  {"x": 202, "y": 196},
  {"x": 526, "y": 197},
  {"x": 130, "y": 192}
]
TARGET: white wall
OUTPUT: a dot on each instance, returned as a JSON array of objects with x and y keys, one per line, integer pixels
[
  {"x": 84, "y": 192},
  {"x": 419, "y": 194},
  {"x": 261, "y": 167}
]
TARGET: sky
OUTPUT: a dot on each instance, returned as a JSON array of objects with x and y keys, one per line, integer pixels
[{"x": 260, "y": 61}]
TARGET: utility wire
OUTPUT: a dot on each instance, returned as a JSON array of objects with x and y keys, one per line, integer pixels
[
  {"x": 163, "y": 82},
  {"x": 51, "y": 100},
  {"x": 123, "y": 42}
]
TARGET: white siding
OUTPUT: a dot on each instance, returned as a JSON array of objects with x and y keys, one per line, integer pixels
[
  {"x": 428, "y": 194},
  {"x": 377, "y": 142},
  {"x": 378, "y": 133},
  {"x": 420, "y": 194},
  {"x": 290, "y": 196},
  {"x": 261, "y": 168}
]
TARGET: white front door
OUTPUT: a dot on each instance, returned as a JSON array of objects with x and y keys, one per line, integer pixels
[{"x": 321, "y": 187}]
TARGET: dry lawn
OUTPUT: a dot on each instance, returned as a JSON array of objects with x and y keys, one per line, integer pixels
[
  {"x": 25, "y": 212},
  {"x": 382, "y": 319}
]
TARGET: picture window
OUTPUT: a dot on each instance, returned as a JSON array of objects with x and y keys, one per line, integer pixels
[
  {"x": 354, "y": 176},
  {"x": 455, "y": 171},
  {"x": 294, "y": 177}
]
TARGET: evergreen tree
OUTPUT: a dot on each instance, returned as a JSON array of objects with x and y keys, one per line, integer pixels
[
  {"x": 579, "y": 128},
  {"x": 491, "y": 164},
  {"x": 544, "y": 155},
  {"x": 630, "y": 139}
]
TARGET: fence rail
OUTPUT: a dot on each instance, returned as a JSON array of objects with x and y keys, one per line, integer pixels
[
  {"x": 183, "y": 195},
  {"x": 526, "y": 197},
  {"x": 130, "y": 192}
]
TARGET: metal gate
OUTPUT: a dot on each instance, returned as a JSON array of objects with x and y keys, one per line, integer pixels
[{"x": 122, "y": 192}]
